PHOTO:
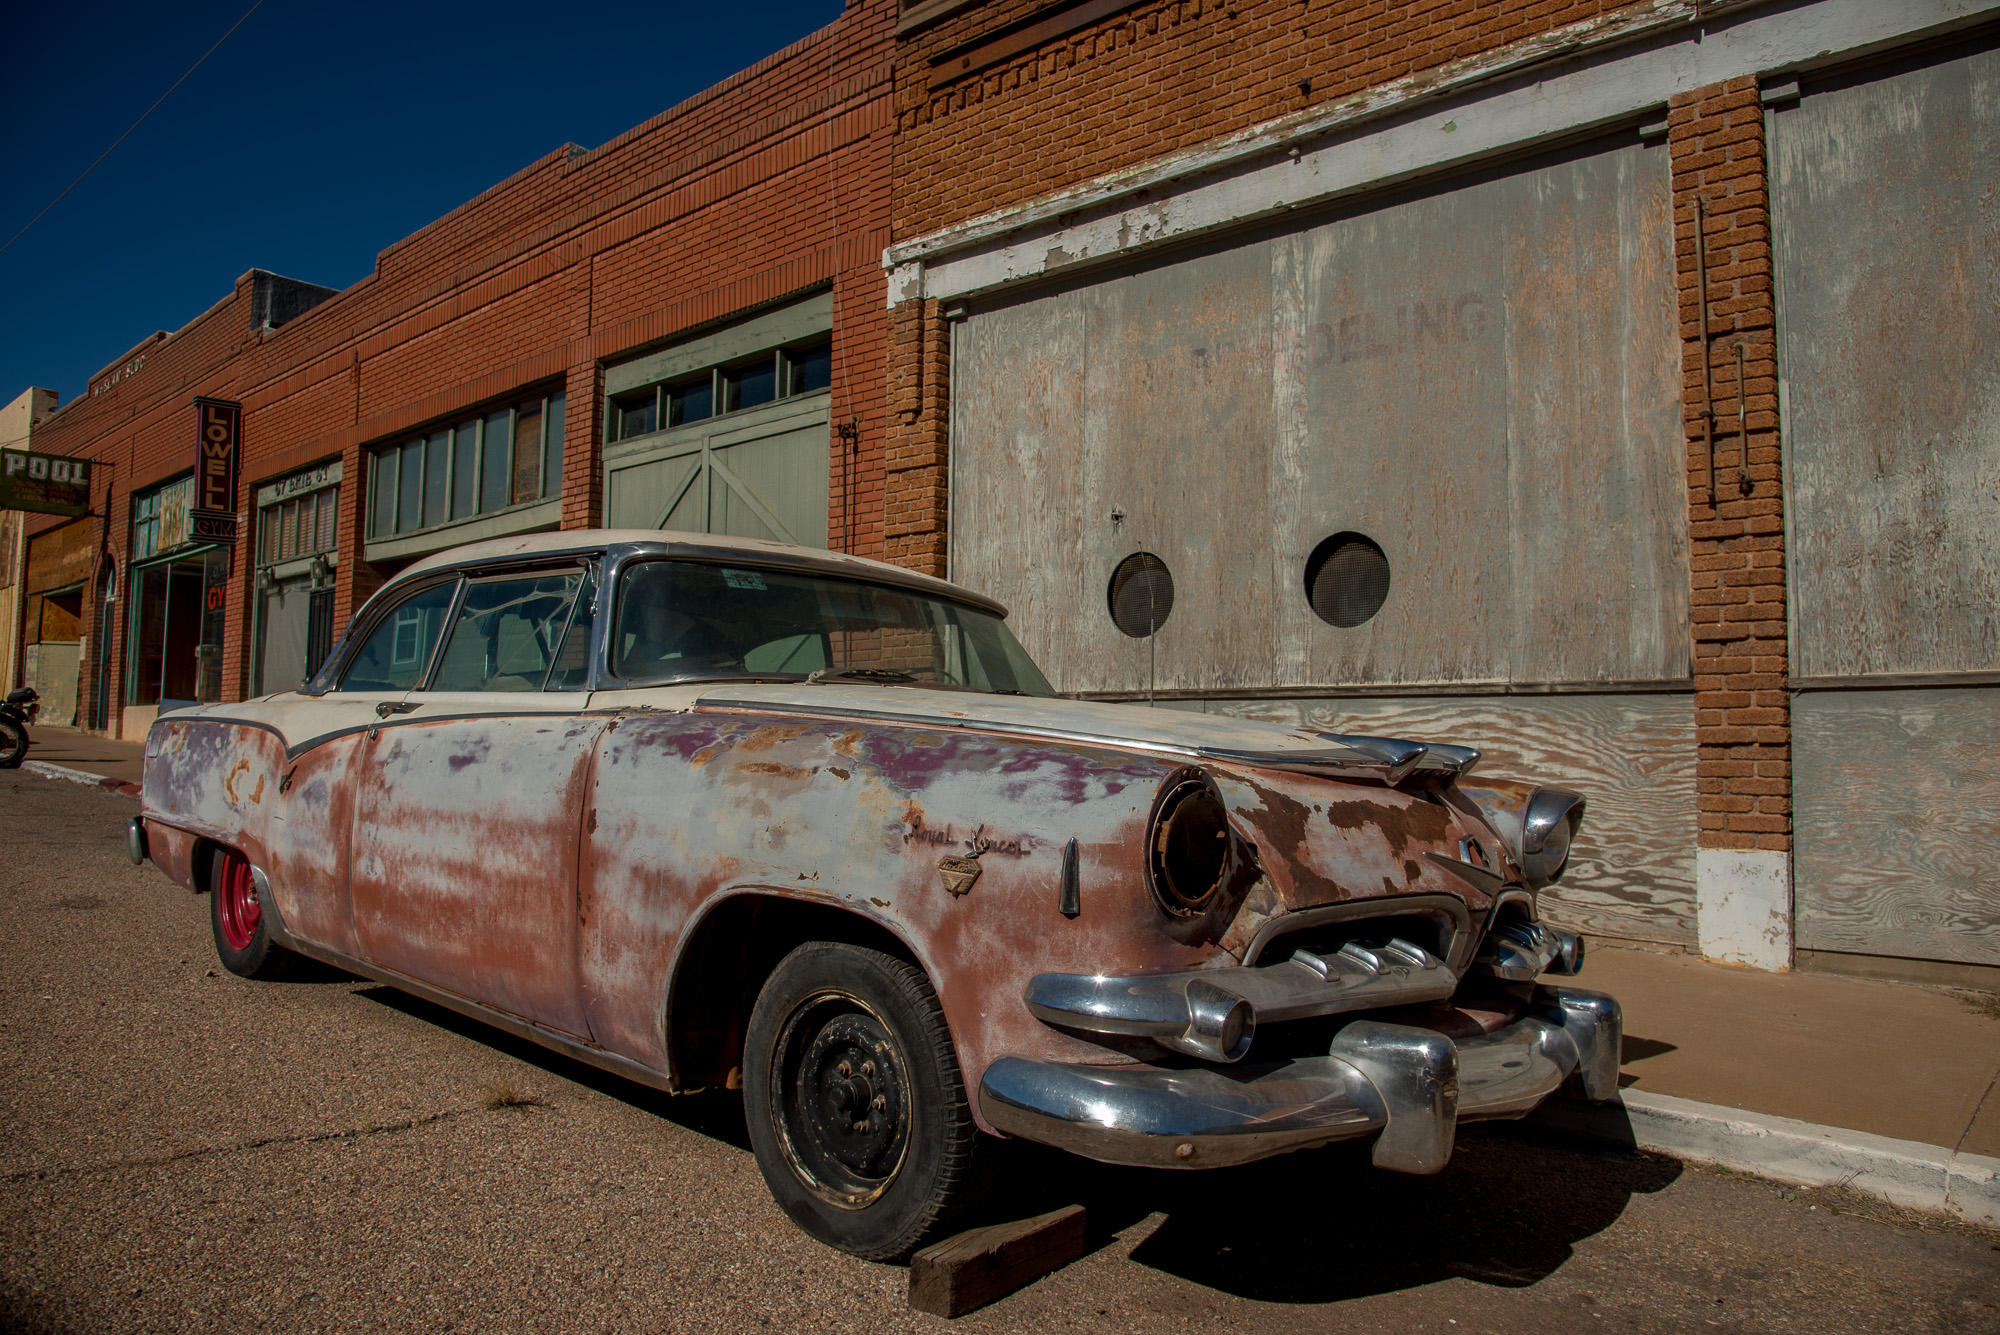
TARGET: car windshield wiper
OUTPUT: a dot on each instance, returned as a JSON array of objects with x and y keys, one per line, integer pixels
[{"x": 866, "y": 674}]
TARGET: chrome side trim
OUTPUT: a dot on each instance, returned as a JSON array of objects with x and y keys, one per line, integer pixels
[
  {"x": 1449, "y": 909},
  {"x": 1413, "y": 1085},
  {"x": 1187, "y": 1011}
]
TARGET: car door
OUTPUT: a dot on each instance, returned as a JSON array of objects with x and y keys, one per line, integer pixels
[
  {"x": 326, "y": 737},
  {"x": 465, "y": 843}
]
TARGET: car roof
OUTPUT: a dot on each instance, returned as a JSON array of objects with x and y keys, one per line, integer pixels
[{"x": 692, "y": 546}]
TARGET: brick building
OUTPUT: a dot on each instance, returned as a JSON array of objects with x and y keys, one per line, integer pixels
[
  {"x": 681, "y": 328},
  {"x": 1609, "y": 386}
]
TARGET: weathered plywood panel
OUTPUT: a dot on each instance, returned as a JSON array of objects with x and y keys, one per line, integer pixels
[
  {"x": 1632, "y": 756},
  {"x": 1482, "y": 379},
  {"x": 1886, "y": 204},
  {"x": 1897, "y": 822}
]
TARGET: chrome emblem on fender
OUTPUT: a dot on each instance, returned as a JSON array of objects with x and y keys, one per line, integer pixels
[{"x": 958, "y": 873}]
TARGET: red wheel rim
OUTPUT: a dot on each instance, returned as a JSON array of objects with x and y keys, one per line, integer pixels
[{"x": 238, "y": 903}]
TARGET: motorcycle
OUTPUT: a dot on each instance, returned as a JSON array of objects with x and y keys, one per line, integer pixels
[{"x": 16, "y": 713}]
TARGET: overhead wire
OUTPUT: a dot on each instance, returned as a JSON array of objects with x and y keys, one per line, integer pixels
[{"x": 128, "y": 129}]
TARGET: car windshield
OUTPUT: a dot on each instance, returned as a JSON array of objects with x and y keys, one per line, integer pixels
[{"x": 678, "y": 620}]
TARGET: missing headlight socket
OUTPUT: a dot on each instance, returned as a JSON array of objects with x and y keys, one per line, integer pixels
[{"x": 1196, "y": 866}]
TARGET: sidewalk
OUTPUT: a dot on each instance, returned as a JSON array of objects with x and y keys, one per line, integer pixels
[
  {"x": 72, "y": 748},
  {"x": 1891, "y": 1059}
]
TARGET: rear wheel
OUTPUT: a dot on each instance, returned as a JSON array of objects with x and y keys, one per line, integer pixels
[
  {"x": 242, "y": 938},
  {"x": 13, "y": 744},
  {"x": 854, "y": 1101}
]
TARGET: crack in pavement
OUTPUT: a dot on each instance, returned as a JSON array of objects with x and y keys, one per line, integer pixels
[{"x": 352, "y": 1133}]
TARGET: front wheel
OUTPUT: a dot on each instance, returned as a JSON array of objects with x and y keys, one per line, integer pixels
[
  {"x": 13, "y": 744},
  {"x": 854, "y": 1101},
  {"x": 242, "y": 938}
]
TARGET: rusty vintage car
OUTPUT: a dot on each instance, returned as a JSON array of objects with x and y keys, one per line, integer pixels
[{"x": 710, "y": 812}]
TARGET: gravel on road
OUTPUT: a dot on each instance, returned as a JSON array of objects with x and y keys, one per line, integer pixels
[{"x": 187, "y": 1151}]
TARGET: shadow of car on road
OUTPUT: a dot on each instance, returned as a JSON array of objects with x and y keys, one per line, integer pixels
[
  {"x": 1318, "y": 1226},
  {"x": 715, "y": 1113}
]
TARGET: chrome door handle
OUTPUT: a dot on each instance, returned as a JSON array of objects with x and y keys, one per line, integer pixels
[{"x": 388, "y": 707}]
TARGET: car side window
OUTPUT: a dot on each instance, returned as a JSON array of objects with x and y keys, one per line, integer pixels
[
  {"x": 571, "y": 671},
  {"x": 508, "y": 633},
  {"x": 399, "y": 648}
]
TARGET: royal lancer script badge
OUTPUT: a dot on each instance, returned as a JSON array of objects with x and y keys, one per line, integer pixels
[{"x": 958, "y": 873}]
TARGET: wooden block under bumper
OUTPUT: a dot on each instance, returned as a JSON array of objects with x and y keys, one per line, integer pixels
[{"x": 982, "y": 1265}]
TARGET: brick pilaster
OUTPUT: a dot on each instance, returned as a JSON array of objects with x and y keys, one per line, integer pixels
[
  {"x": 917, "y": 490},
  {"x": 1737, "y": 535},
  {"x": 583, "y": 447}
]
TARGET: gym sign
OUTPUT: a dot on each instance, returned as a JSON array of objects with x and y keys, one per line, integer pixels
[
  {"x": 44, "y": 484},
  {"x": 213, "y": 518}
]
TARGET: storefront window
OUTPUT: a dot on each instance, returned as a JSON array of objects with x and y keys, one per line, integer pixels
[
  {"x": 298, "y": 539},
  {"x": 177, "y": 614},
  {"x": 509, "y": 457}
]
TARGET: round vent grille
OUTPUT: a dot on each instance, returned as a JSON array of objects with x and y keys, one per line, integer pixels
[
  {"x": 1141, "y": 595},
  {"x": 1347, "y": 580}
]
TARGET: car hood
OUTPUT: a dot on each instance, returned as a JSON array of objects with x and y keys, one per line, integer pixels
[{"x": 1165, "y": 731}]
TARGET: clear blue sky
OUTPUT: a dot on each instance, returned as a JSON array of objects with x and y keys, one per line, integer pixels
[{"x": 318, "y": 134}]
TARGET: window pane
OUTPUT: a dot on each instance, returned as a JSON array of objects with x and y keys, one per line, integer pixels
[
  {"x": 329, "y": 507},
  {"x": 393, "y": 659},
  {"x": 288, "y": 533},
  {"x": 528, "y": 453},
  {"x": 680, "y": 619},
  {"x": 572, "y": 666},
  {"x": 552, "y": 469},
  {"x": 409, "y": 497},
  {"x": 384, "y": 521},
  {"x": 812, "y": 368},
  {"x": 506, "y": 633},
  {"x": 464, "y": 469},
  {"x": 635, "y": 414},
  {"x": 497, "y": 467},
  {"x": 435, "y": 451},
  {"x": 267, "y": 534},
  {"x": 748, "y": 386},
  {"x": 692, "y": 402}
]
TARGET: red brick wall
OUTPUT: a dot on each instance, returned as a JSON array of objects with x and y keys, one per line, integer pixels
[
  {"x": 1737, "y": 535},
  {"x": 917, "y": 494},
  {"x": 772, "y": 183},
  {"x": 1160, "y": 77}
]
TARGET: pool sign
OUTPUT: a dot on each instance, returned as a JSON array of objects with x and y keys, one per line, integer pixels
[
  {"x": 214, "y": 514},
  {"x": 44, "y": 484}
]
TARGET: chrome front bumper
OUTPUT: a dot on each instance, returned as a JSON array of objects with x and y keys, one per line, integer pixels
[{"x": 1407, "y": 1086}]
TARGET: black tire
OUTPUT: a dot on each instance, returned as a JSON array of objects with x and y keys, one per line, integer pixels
[
  {"x": 235, "y": 915},
  {"x": 13, "y": 744},
  {"x": 860, "y": 1032}
]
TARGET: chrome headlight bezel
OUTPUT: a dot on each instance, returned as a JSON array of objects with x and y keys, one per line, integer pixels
[{"x": 1548, "y": 829}]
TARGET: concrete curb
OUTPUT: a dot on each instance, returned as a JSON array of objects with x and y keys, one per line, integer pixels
[
  {"x": 49, "y": 771},
  {"x": 1902, "y": 1172}
]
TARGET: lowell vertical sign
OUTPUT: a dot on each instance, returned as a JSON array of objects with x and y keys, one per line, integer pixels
[{"x": 213, "y": 518}]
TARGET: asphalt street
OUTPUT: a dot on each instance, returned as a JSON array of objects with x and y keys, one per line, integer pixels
[{"x": 186, "y": 1151}]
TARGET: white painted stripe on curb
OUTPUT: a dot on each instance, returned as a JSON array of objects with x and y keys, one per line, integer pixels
[
  {"x": 1903, "y": 1172},
  {"x": 43, "y": 768}
]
